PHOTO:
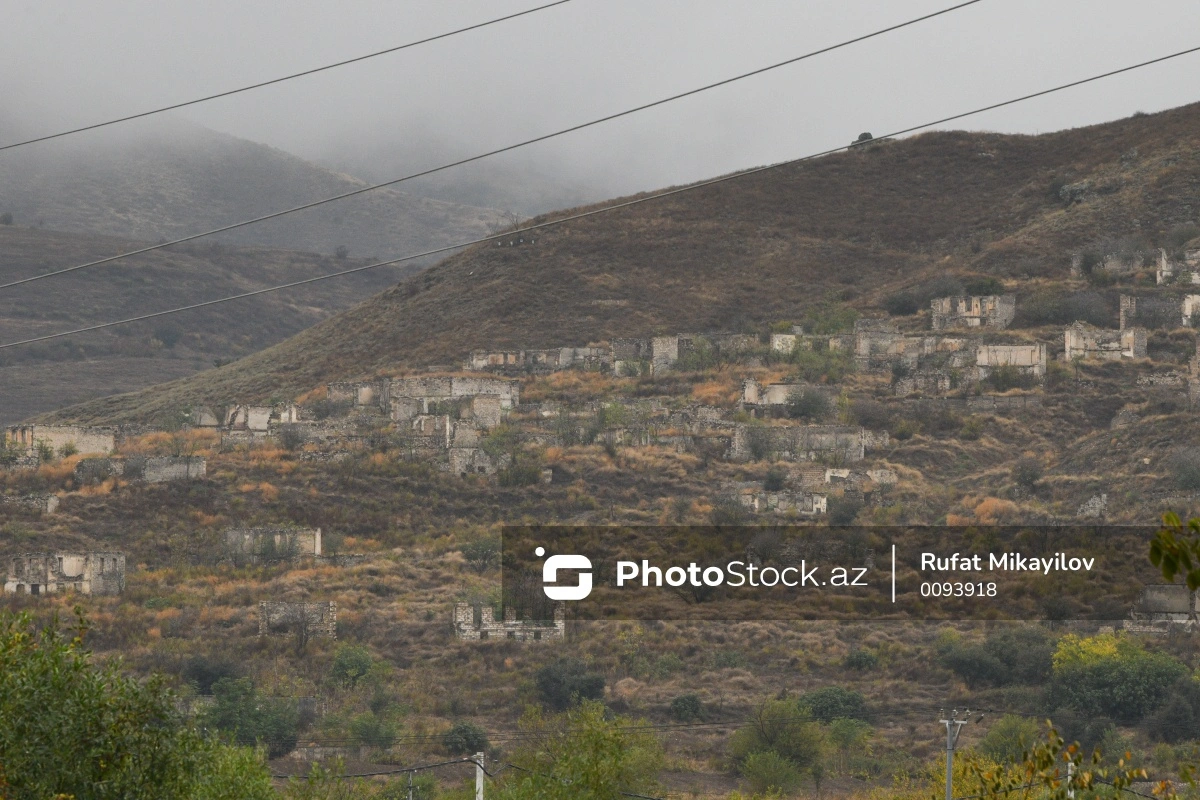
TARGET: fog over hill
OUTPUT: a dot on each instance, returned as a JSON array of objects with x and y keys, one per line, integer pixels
[
  {"x": 854, "y": 228},
  {"x": 168, "y": 178}
]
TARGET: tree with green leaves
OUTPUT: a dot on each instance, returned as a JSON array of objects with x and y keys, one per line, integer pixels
[
  {"x": 74, "y": 729},
  {"x": 581, "y": 755}
]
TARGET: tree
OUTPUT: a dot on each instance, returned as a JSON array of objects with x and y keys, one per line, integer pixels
[
  {"x": 465, "y": 738},
  {"x": 808, "y": 405},
  {"x": 350, "y": 664},
  {"x": 782, "y": 727},
  {"x": 582, "y": 755},
  {"x": 1008, "y": 738},
  {"x": 75, "y": 729},
  {"x": 1112, "y": 675},
  {"x": 687, "y": 707},
  {"x": 252, "y": 719},
  {"x": 481, "y": 554},
  {"x": 566, "y": 682},
  {"x": 833, "y": 702}
]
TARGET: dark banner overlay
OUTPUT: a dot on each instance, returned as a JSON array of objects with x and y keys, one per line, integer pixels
[{"x": 844, "y": 573}]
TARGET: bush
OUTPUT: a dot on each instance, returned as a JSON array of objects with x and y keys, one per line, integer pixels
[
  {"x": 482, "y": 554},
  {"x": 843, "y": 510},
  {"x": 1185, "y": 465},
  {"x": 822, "y": 366},
  {"x": 566, "y": 682},
  {"x": 808, "y": 405},
  {"x": 1007, "y": 377},
  {"x": 781, "y": 727},
  {"x": 1027, "y": 472},
  {"x": 767, "y": 772},
  {"x": 465, "y": 738},
  {"x": 774, "y": 481},
  {"x": 871, "y": 414},
  {"x": 1008, "y": 738},
  {"x": 1011, "y": 655},
  {"x": 350, "y": 664},
  {"x": 687, "y": 707},
  {"x": 861, "y": 660},
  {"x": 901, "y": 304},
  {"x": 1113, "y": 676},
  {"x": 983, "y": 285},
  {"x": 373, "y": 731},
  {"x": 290, "y": 437},
  {"x": 203, "y": 671},
  {"x": 251, "y": 718},
  {"x": 1178, "y": 718},
  {"x": 833, "y": 702}
]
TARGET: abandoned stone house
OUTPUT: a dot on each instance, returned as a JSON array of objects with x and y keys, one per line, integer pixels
[
  {"x": 1158, "y": 312},
  {"x": 60, "y": 438},
  {"x": 803, "y": 504},
  {"x": 477, "y": 622},
  {"x": 1026, "y": 358},
  {"x": 787, "y": 342},
  {"x": 1185, "y": 271},
  {"x": 1162, "y": 605},
  {"x": 1086, "y": 341},
  {"x": 540, "y": 361},
  {"x": 147, "y": 469},
  {"x": 46, "y": 503},
  {"x": 99, "y": 573},
  {"x": 363, "y": 394},
  {"x": 923, "y": 381},
  {"x": 985, "y": 311},
  {"x": 259, "y": 419},
  {"x": 271, "y": 543},
  {"x": 308, "y": 620},
  {"x": 830, "y": 443},
  {"x": 776, "y": 394},
  {"x": 410, "y": 397}
]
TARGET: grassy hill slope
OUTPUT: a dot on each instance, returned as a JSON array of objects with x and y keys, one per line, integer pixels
[{"x": 853, "y": 227}]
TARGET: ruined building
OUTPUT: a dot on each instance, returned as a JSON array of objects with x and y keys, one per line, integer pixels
[
  {"x": 986, "y": 311},
  {"x": 45, "y": 573},
  {"x": 151, "y": 469},
  {"x": 1185, "y": 271},
  {"x": 60, "y": 438},
  {"x": 1160, "y": 606},
  {"x": 830, "y": 443},
  {"x": 409, "y": 397},
  {"x": 306, "y": 620},
  {"x": 540, "y": 361},
  {"x": 272, "y": 543},
  {"x": 1026, "y": 358},
  {"x": 478, "y": 622},
  {"x": 1158, "y": 312},
  {"x": 1087, "y": 341}
]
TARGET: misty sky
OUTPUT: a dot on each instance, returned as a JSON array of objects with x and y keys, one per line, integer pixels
[{"x": 69, "y": 62}]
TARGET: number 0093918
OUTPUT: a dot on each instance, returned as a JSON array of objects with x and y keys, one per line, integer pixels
[{"x": 957, "y": 589}]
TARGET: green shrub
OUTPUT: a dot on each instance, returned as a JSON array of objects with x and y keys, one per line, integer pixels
[
  {"x": 774, "y": 480},
  {"x": 1125, "y": 686},
  {"x": 566, "y": 682},
  {"x": 687, "y": 707},
  {"x": 780, "y": 727},
  {"x": 351, "y": 663},
  {"x": 373, "y": 731},
  {"x": 843, "y": 510},
  {"x": 767, "y": 772},
  {"x": 1006, "y": 377},
  {"x": 203, "y": 671},
  {"x": 465, "y": 738},
  {"x": 983, "y": 285},
  {"x": 833, "y": 702},
  {"x": 902, "y": 304},
  {"x": 252, "y": 718},
  {"x": 1027, "y": 472},
  {"x": 482, "y": 554},
  {"x": 808, "y": 405},
  {"x": 861, "y": 660},
  {"x": 1008, "y": 737},
  {"x": 822, "y": 366}
]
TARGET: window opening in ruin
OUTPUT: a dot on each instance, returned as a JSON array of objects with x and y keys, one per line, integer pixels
[
  {"x": 35, "y": 588},
  {"x": 512, "y": 634},
  {"x": 483, "y": 634}
]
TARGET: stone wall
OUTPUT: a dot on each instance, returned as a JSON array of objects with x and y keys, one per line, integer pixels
[
  {"x": 272, "y": 543},
  {"x": 98, "y": 573},
  {"x": 478, "y": 623},
  {"x": 798, "y": 442},
  {"x": 313, "y": 620},
  {"x": 46, "y": 503},
  {"x": 1087, "y": 341},
  {"x": 986, "y": 311},
  {"x": 1030, "y": 358},
  {"x": 58, "y": 437}
]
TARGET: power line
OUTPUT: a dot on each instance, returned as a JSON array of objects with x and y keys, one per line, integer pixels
[
  {"x": 594, "y": 212},
  {"x": 273, "y": 81},
  {"x": 489, "y": 154}
]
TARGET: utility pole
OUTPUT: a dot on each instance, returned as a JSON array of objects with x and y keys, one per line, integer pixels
[
  {"x": 953, "y": 728},
  {"x": 479, "y": 776}
]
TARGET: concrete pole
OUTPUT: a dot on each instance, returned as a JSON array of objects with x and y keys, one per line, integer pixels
[
  {"x": 953, "y": 728},
  {"x": 479, "y": 776}
]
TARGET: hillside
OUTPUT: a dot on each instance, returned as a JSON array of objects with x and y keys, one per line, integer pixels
[
  {"x": 39, "y": 378},
  {"x": 854, "y": 227},
  {"x": 168, "y": 179}
]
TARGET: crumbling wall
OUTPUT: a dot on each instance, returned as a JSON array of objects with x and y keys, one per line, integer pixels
[
  {"x": 58, "y": 437},
  {"x": 272, "y": 543},
  {"x": 1029, "y": 358},
  {"x": 798, "y": 442},
  {"x": 311, "y": 620},
  {"x": 478, "y": 623},
  {"x": 46, "y": 503},
  {"x": 985, "y": 311},
  {"x": 1082, "y": 340},
  {"x": 97, "y": 573}
]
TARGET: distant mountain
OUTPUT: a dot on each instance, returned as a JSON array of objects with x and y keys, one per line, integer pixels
[
  {"x": 38, "y": 378},
  {"x": 853, "y": 228},
  {"x": 165, "y": 179}
]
